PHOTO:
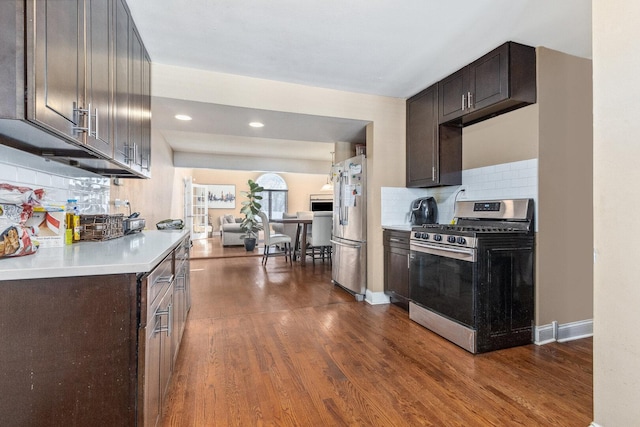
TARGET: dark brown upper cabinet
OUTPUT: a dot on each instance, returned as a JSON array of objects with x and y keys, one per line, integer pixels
[
  {"x": 434, "y": 153},
  {"x": 76, "y": 85},
  {"x": 500, "y": 81}
]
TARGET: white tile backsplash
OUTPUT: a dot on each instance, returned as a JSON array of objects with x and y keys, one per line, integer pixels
[
  {"x": 59, "y": 181},
  {"x": 504, "y": 181}
]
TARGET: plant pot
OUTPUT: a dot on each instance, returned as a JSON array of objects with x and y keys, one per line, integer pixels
[{"x": 249, "y": 244}]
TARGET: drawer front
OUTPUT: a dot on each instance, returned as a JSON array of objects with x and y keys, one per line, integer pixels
[
  {"x": 159, "y": 280},
  {"x": 182, "y": 251},
  {"x": 396, "y": 238}
]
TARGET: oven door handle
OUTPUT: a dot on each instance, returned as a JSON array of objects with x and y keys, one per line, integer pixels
[{"x": 445, "y": 251}]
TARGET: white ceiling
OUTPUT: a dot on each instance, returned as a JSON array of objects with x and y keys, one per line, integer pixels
[{"x": 383, "y": 47}]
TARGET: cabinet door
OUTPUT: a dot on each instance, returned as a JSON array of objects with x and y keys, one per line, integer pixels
[
  {"x": 422, "y": 138},
  {"x": 179, "y": 310},
  {"x": 146, "y": 116},
  {"x": 506, "y": 302},
  {"x": 157, "y": 359},
  {"x": 55, "y": 68},
  {"x": 121, "y": 46},
  {"x": 489, "y": 78},
  {"x": 99, "y": 86},
  {"x": 136, "y": 101},
  {"x": 396, "y": 273},
  {"x": 453, "y": 94},
  {"x": 151, "y": 409},
  {"x": 167, "y": 306}
]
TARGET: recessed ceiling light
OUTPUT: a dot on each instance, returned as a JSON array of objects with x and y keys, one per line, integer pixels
[
  {"x": 182, "y": 117},
  {"x": 256, "y": 124}
]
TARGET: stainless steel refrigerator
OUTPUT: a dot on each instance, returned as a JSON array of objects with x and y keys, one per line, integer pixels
[{"x": 349, "y": 235}]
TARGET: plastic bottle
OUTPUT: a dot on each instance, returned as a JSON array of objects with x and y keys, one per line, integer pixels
[
  {"x": 76, "y": 224},
  {"x": 70, "y": 212}
]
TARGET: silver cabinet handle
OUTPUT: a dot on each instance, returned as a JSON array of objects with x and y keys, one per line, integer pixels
[
  {"x": 394, "y": 239},
  {"x": 433, "y": 173},
  {"x": 408, "y": 261},
  {"x": 180, "y": 282},
  {"x": 463, "y": 102},
  {"x": 169, "y": 313},
  {"x": 164, "y": 279},
  {"x": 86, "y": 112},
  {"x": 95, "y": 133},
  {"x": 469, "y": 102},
  {"x": 170, "y": 320},
  {"x": 130, "y": 152}
]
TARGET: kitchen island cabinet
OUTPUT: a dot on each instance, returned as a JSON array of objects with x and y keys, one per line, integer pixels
[{"x": 75, "y": 326}]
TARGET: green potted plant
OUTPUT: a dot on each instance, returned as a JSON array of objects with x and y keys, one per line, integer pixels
[{"x": 250, "y": 225}]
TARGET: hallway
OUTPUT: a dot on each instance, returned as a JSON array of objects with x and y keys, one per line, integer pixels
[{"x": 283, "y": 346}]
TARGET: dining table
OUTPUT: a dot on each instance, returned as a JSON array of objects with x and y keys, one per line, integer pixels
[{"x": 301, "y": 235}]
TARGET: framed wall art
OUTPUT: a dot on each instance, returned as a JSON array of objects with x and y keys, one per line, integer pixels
[{"x": 221, "y": 196}]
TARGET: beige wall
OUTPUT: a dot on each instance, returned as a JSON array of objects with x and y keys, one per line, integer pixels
[
  {"x": 300, "y": 186},
  {"x": 565, "y": 187},
  {"x": 385, "y": 134},
  {"x": 506, "y": 138},
  {"x": 557, "y": 130},
  {"x": 160, "y": 197},
  {"x": 616, "y": 71}
]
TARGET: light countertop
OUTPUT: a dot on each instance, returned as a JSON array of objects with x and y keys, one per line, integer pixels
[{"x": 135, "y": 253}]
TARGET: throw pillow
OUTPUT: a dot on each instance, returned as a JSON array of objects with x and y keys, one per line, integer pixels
[{"x": 229, "y": 219}]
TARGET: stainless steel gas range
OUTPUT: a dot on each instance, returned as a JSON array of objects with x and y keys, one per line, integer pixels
[{"x": 472, "y": 282}]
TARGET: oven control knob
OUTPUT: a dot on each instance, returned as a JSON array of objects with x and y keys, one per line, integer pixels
[
  {"x": 416, "y": 235},
  {"x": 425, "y": 236},
  {"x": 437, "y": 237},
  {"x": 451, "y": 239},
  {"x": 462, "y": 240}
]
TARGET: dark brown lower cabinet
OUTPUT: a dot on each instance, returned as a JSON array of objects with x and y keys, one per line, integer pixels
[
  {"x": 396, "y": 267},
  {"x": 91, "y": 350},
  {"x": 68, "y": 351}
]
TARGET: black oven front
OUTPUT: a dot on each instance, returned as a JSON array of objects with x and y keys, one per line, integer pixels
[
  {"x": 480, "y": 296},
  {"x": 442, "y": 279}
]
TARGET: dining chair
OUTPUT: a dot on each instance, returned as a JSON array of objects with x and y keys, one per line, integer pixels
[
  {"x": 320, "y": 239},
  {"x": 289, "y": 229},
  {"x": 274, "y": 239},
  {"x": 306, "y": 215}
]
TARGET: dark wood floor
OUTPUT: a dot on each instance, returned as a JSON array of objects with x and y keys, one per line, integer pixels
[{"x": 282, "y": 346}]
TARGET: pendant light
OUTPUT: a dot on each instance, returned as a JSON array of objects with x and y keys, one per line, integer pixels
[{"x": 329, "y": 185}]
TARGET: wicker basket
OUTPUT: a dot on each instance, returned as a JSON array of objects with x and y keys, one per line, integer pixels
[{"x": 101, "y": 227}]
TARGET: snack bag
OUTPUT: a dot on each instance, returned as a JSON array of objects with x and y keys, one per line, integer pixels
[
  {"x": 15, "y": 240},
  {"x": 14, "y": 195}
]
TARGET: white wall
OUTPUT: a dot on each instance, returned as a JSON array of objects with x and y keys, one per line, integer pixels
[{"x": 616, "y": 73}]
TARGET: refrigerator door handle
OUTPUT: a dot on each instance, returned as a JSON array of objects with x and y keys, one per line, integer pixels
[
  {"x": 344, "y": 210},
  {"x": 346, "y": 244}
]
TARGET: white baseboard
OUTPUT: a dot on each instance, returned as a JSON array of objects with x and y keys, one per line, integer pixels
[
  {"x": 553, "y": 332},
  {"x": 375, "y": 298},
  {"x": 593, "y": 424}
]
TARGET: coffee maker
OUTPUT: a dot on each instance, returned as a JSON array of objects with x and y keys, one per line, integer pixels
[{"x": 424, "y": 211}]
